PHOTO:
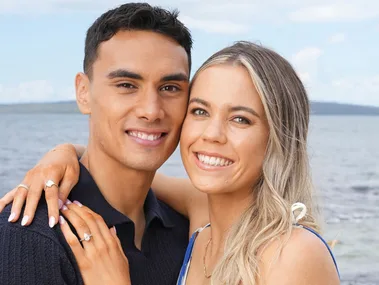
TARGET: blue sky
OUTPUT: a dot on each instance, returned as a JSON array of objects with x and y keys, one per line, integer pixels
[{"x": 333, "y": 45}]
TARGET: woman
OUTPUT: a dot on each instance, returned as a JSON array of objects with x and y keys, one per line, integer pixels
[{"x": 244, "y": 145}]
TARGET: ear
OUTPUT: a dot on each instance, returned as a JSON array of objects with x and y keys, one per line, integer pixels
[{"x": 82, "y": 88}]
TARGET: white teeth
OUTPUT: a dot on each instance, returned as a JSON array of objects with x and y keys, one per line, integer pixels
[
  {"x": 214, "y": 161},
  {"x": 145, "y": 136}
]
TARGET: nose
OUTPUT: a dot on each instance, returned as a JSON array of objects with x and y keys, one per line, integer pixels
[
  {"x": 149, "y": 107},
  {"x": 215, "y": 131}
]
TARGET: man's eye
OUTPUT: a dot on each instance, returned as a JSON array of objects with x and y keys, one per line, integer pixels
[
  {"x": 170, "y": 88},
  {"x": 126, "y": 85}
]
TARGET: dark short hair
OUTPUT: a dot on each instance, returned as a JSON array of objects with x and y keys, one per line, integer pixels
[{"x": 139, "y": 17}]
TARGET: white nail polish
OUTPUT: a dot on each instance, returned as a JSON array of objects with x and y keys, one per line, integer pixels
[
  {"x": 51, "y": 222},
  {"x": 25, "y": 219},
  {"x": 60, "y": 203},
  {"x": 61, "y": 220},
  {"x": 78, "y": 203},
  {"x": 11, "y": 217}
]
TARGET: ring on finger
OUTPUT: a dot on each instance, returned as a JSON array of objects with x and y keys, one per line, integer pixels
[
  {"x": 22, "y": 185},
  {"x": 86, "y": 237},
  {"x": 50, "y": 183}
]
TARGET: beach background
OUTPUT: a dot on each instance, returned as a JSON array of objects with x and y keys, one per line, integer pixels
[
  {"x": 332, "y": 44},
  {"x": 344, "y": 152}
]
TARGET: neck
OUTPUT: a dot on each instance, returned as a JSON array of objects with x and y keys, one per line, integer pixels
[
  {"x": 124, "y": 189},
  {"x": 224, "y": 211}
]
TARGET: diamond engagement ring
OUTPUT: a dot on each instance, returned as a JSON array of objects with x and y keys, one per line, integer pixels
[
  {"x": 50, "y": 183},
  {"x": 87, "y": 237},
  {"x": 23, "y": 186}
]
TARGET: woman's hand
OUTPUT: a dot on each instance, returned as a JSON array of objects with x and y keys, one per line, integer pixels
[
  {"x": 59, "y": 165},
  {"x": 101, "y": 259}
]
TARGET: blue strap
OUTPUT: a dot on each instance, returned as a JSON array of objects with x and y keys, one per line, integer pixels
[
  {"x": 187, "y": 258},
  {"x": 326, "y": 244}
]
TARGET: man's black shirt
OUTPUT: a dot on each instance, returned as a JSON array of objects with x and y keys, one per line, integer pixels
[{"x": 37, "y": 254}]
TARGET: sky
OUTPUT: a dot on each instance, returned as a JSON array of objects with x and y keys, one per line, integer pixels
[{"x": 333, "y": 45}]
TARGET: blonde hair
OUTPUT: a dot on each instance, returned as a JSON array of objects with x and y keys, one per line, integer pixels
[{"x": 285, "y": 175}]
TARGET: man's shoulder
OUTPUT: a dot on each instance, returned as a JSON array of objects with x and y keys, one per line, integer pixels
[
  {"x": 39, "y": 225},
  {"x": 36, "y": 254},
  {"x": 173, "y": 215}
]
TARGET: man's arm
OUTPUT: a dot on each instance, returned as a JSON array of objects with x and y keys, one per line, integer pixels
[{"x": 32, "y": 258}]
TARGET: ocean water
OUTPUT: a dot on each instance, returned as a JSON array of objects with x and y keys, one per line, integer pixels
[{"x": 344, "y": 154}]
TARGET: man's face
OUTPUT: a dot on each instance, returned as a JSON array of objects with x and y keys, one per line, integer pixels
[{"x": 137, "y": 98}]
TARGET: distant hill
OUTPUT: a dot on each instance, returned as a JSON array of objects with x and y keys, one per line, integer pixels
[
  {"x": 326, "y": 108},
  {"x": 70, "y": 107}
]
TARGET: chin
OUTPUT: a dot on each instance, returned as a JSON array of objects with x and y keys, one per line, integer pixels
[
  {"x": 207, "y": 186},
  {"x": 142, "y": 164}
]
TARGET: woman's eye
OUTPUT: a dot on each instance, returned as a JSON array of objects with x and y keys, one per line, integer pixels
[
  {"x": 170, "y": 88},
  {"x": 199, "y": 112},
  {"x": 241, "y": 120}
]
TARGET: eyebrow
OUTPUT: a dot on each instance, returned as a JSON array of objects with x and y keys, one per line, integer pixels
[
  {"x": 124, "y": 73},
  {"x": 175, "y": 77},
  {"x": 231, "y": 109},
  {"x": 200, "y": 101},
  {"x": 245, "y": 109}
]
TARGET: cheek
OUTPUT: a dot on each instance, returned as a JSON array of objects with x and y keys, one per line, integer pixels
[
  {"x": 178, "y": 111},
  {"x": 251, "y": 152},
  {"x": 185, "y": 134},
  {"x": 191, "y": 131}
]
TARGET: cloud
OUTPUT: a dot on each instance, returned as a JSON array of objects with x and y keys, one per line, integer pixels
[
  {"x": 358, "y": 89},
  {"x": 337, "y": 38},
  {"x": 214, "y": 26},
  {"x": 306, "y": 55},
  {"x": 340, "y": 11},
  {"x": 306, "y": 64},
  {"x": 216, "y": 16},
  {"x": 305, "y": 60},
  {"x": 34, "y": 91},
  {"x": 305, "y": 77},
  {"x": 223, "y": 18}
]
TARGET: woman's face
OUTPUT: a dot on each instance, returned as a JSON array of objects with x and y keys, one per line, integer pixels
[{"x": 225, "y": 134}]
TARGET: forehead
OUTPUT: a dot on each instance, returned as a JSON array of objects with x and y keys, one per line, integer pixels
[
  {"x": 226, "y": 84},
  {"x": 144, "y": 52}
]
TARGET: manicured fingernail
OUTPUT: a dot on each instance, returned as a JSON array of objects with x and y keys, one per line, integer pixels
[
  {"x": 68, "y": 202},
  {"x": 11, "y": 217},
  {"x": 78, "y": 203},
  {"x": 114, "y": 228},
  {"x": 64, "y": 208},
  {"x": 25, "y": 219},
  {"x": 51, "y": 222},
  {"x": 60, "y": 204},
  {"x": 61, "y": 220}
]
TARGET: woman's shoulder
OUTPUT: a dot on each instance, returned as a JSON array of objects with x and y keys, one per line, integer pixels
[{"x": 301, "y": 258}]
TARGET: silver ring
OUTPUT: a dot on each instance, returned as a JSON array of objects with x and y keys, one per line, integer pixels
[
  {"x": 87, "y": 237},
  {"x": 50, "y": 183},
  {"x": 22, "y": 185}
]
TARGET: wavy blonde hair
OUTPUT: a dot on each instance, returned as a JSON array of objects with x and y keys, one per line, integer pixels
[{"x": 285, "y": 178}]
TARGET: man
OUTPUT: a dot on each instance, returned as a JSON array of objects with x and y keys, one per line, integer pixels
[{"x": 135, "y": 90}]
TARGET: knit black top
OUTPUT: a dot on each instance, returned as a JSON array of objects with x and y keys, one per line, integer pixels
[{"x": 37, "y": 254}]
